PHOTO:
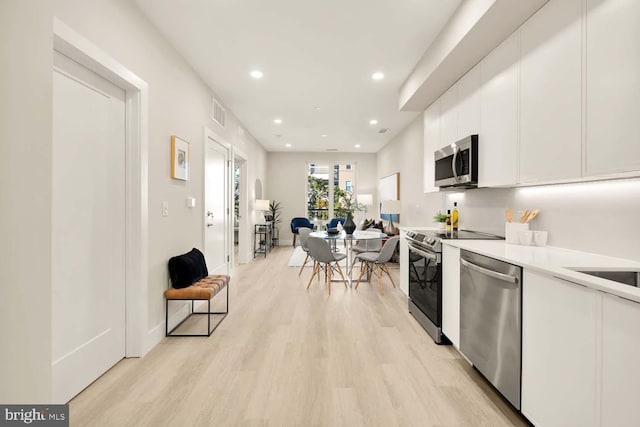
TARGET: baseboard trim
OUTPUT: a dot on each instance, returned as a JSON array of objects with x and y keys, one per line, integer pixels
[{"x": 156, "y": 334}]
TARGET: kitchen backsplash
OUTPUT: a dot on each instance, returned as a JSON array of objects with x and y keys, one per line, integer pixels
[{"x": 599, "y": 217}]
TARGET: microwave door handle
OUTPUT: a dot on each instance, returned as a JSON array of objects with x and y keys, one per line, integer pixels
[
  {"x": 454, "y": 163},
  {"x": 503, "y": 277}
]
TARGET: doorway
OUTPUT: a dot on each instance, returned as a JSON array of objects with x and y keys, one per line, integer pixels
[
  {"x": 217, "y": 216},
  {"x": 243, "y": 254}
]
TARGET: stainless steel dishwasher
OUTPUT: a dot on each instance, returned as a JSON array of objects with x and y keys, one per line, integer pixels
[{"x": 491, "y": 320}]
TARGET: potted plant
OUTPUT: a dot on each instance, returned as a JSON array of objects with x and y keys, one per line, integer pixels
[
  {"x": 348, "y": 205},
  {"x": 440, "y": 218},
  {"x": 274, "y": 215}
]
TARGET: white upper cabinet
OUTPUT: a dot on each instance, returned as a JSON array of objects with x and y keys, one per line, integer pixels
[
  {"x": 449, "y": 117},
  {"x": 469, "y": 103},
  {"x": 551, "y": 93},
  {"x": 612, "y": 86},
  {"x": 431, "y": 121},
  {"x": 498, "y": 139}
]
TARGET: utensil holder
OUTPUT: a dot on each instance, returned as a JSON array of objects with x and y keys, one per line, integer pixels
[{"x": 512, "y": 229}]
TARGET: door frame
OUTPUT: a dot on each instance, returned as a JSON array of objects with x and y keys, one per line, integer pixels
[
  {"x": 211, "y": 135},
  {"x": 78, "y": 48},
  {"x": 244, "y": 254}
]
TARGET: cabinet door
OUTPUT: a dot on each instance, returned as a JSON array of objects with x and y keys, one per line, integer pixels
[
  {"x": 558, "y": 351},
  {"x": 498, "y": 139},
  {"x": 469, "y": 103},
  {"x": 431, "y": 144},
  {"x": 404, "y": 263},
  {"x": 613, "y": 86},
  {"x": 451, "y": 293},
  {"x": 449, "y": 117},
  {"x": 620, "y": 355},
  {"x": 551, "y": 93}
]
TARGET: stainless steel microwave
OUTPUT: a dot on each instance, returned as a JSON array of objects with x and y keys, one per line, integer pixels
[{"x": 456, "y": 165}]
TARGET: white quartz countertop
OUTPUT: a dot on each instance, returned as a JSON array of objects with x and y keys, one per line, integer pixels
[{"x": 557, "y": 262}]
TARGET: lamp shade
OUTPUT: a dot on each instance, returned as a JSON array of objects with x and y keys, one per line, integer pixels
[
  {"x": 365, "y": 199},
  {"x": 262, "y": 205},
  {"x": 390, "y": 207}
]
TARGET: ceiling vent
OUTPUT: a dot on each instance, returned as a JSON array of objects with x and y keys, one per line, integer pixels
[
  {"x": 218, "y": 114},
  {"x": 383, "y": 130},
  {"x": 331, "y": 149}
]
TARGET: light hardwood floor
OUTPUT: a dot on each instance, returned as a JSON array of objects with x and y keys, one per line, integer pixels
[{"x": 286, "y": 356}]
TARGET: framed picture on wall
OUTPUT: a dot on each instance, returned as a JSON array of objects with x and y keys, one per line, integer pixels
[
  {"x": 179, "y": 158},
  {"x": 389, "y": 189}
]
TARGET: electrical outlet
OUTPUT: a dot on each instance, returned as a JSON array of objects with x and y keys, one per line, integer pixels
[{"x": 165, "y": 208}]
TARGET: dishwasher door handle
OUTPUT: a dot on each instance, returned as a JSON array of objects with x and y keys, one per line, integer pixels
[{"x": 491, "y": 273}]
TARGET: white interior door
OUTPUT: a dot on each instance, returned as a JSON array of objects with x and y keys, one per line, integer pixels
[
  {"x": 88, "y": 237},
  {"x": 217, "y": 211}
]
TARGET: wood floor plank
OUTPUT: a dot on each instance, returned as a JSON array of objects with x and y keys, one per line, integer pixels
[{"x": 288, "y": 356}]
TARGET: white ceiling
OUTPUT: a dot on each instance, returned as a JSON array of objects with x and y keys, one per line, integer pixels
[{"x": 313, "y": 54}]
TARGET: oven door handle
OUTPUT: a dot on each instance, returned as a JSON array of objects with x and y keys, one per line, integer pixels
[
  {"x": 423, "y": 253},
  {"x": 490, "y": 273}
]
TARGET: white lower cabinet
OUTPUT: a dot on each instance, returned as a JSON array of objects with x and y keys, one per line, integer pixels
[
  {"x": 558, "y": 352},
  {"x": 620, "y": 394},
  {"x": 580, "y": 353},
  {"x": 451, "y": 294},
  {"x": 404, "y": 263}
]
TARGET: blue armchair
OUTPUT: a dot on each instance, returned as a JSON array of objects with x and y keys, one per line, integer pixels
[
  {"x": 334, "y": 222},
  {"x": 299, "y": 222}
]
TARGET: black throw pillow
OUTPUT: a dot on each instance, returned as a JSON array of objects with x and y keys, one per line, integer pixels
[{"x": 186, "y": 269}]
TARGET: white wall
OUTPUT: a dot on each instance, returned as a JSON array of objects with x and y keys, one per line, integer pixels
[
  {"x": 26, "y": 28},
  {"x": 179, "y": 104},
  {"x": 287, "y": 177},
  {"x": 601, "y": 217}
]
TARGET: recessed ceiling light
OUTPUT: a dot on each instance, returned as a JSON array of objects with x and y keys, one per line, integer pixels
[
  {"x": 324, "y": 135},
  {"x": 357, "y": 145},
  {"x": 287, "y": 145},
  {"x": 373, "y": 122},
  {"x": 277, "y": 121},
  {"x": 256, "y": 74},
  {"x": 317, "y": 108},
  {"x": 377, "y": 76}
]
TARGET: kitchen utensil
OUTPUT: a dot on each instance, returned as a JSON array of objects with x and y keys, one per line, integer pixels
[
  {"x": 534, "y": 213},
  {"x": 509, "y": 215},
  {"x": 524, "y": 216}
]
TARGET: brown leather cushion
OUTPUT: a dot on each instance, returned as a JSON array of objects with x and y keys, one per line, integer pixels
[{"x": 203, "y": 289}]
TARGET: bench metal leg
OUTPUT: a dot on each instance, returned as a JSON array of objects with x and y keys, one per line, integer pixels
[{"x": 168, "y": 333}]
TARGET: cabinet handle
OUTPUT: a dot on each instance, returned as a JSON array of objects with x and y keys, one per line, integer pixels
[{"x": 487, "y": 272}]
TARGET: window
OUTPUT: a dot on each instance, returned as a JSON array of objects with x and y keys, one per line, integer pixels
[{"x": 327, "y": 184}]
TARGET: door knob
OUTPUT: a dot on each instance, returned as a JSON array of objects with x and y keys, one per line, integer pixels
[
  {"x": 209, "y": 213},
  {"x": 209, "y": 225}
]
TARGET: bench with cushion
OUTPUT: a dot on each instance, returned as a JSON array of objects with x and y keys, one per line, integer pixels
[{"x": 190, "y": 280}]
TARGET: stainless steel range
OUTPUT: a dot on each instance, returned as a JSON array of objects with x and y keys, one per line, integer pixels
[{"x": 425, "y": 276}]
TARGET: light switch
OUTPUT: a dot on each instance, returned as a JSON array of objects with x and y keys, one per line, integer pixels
[
  {"x": 165, "y": 208},
  {"x": 191, "y": 202}
]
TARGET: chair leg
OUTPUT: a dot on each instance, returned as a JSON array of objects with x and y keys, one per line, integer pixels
[
  {"x": 341, "y": 275},
  {"x": 315, "y": 270},
  {"x": 303, "y": 264},
  {"x": 361, "y": 273},
  {"x": 327, "y": 272},
  {"x": 380, "y": 278},
  {"x": 386, "y": 270},
  {"x": 294, "y": 239}
]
